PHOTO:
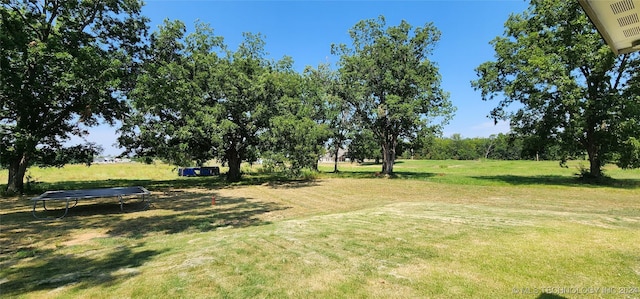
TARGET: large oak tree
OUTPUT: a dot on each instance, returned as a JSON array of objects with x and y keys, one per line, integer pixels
[
  {"x": 196, "y": 100},
  {"x": 172, "y": 104},
  {"x": 64, "y": 66},
  {"x": 390, "y": 82},
  {"x": 298, "y": 128},
  {"x": 568, "y": 87}
]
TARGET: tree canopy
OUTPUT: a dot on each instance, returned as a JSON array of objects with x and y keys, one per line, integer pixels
[
  {"x": 570, "y": 88},
  {"x": 170, "y": 118},
  {"x": 197, "y": 100},
  {"x": 298, "y": 130},
  {"x": 64, "y": 66},
  {"x": 390, "y": 83}
]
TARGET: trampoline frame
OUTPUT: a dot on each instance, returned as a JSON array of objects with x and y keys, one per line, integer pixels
[{"x": 75, "y": 195}]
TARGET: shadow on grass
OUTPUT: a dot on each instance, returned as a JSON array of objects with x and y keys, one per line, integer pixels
[
  {"x": 370, "y": 163},
  {"x": 291, "y": 184},
  {"x": 275, "y": 180},
  {"x": 562, "y": 181},
  {"x": 550, "y": 296},
  {"x": 192, "y": 212},
  {"x": 151, "y": 185},
  {"x": 36, "y": 255},
  {"x": 370, "y": 175},
  {"x": 414, "y": 175},
  {"x": 351, "y": 174},
  {"x": 89, "y": 207},
  {"x": 550, "y": 180},
  {"x": 167, "y": 213},
  {"x": 48, "y": 270}
]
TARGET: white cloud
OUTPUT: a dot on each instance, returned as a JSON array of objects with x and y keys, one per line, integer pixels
[
  {"x": 490, "y": 127},
  {"x": 484, "y": 129}
]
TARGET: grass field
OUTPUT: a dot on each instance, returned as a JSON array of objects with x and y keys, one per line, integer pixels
[{"x": 439, "y": 229}]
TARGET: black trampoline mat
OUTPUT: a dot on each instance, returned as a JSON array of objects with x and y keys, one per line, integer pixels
[{"x": 92, "y": 193}]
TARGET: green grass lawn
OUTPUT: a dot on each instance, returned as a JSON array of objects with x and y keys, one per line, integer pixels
[{"x": 438, "y": 229}]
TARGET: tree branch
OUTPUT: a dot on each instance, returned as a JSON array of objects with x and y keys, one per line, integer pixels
[
  {"x": 585, "y": 71},
  {"x": 24, "y": 19},
  {"x": 46, "y": 31},
  {"x": 620, "y": 71},
  {"x": 89, "y": 20}
]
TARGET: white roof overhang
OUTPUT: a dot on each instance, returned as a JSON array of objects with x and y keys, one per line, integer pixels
[{"x": 618, "y": 21}]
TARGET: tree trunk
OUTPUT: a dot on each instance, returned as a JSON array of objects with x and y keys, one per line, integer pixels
[
  {"x": 17, "y": 170},
  {"x": 488, "y": 151},
  {"x": 234, "y": 166},
  {"x": 593, "y": 151},
  {"x": 388, "y": 157},
  {"x": 595, "y": 165},
  {"x": 335, "y": 160}
]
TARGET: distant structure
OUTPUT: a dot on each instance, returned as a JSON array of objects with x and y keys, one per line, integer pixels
[
  {"x": 109, "y": 159},
  {"x": 342, "y": 156}
]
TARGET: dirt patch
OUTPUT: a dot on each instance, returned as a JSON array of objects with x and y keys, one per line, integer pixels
[{"x": 84, "y": 238}]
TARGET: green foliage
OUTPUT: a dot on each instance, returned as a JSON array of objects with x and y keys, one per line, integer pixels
[
  {"x": 300, "y": 140},
  {"x": 244, "y": 102},
  {"x": 273, "y": 163},
  {"x": 494, "y": 147},
  {"x": 172, "y": 119},
  {"x": 296, "y": 134},
  {"x": 64, "y": 65},
  {"x": 390, "y": 83},
  {"x": 322, "y": 90},
  {"x": 455, "y": 148},
  {"x": 363, "y": 145},
  {"x": 79, "y": 154},
  {"x": 198, "y": 100},
  {"x": 630, "y": 155},
  {"x": 571, "y": 90}
]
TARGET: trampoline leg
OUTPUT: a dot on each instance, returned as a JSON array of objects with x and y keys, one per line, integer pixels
[
  {"x": 66, "y": 209},
  {"x": 33, "y": 212},
  {"x": 121, "y": 203},
  {"x": 145, "y": 202}
]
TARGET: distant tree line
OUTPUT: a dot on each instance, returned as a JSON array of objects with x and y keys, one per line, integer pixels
[{"x": 496, "y": 147}]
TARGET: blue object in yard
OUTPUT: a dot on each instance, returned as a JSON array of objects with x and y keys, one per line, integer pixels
[
  {"x": 187, "y": 171},
  {"x": 207, "y": 171}
]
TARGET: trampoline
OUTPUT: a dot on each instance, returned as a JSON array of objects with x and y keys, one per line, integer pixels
[{"x": 75, "y": 195}]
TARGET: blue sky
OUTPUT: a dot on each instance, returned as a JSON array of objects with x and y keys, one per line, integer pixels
[{"x": 305, "y": 31}]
